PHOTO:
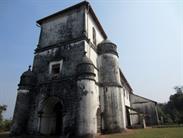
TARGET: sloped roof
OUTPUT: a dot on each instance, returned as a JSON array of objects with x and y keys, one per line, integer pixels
[
  {"x": 125, "y": 80},
  {"x": 145, "y": 98}
]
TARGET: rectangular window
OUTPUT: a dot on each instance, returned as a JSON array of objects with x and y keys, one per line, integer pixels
[
  {"x": 55, "y": 69},
  {"x": 94, "y": 36}
]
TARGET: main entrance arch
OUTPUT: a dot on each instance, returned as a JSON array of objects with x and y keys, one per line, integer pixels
[{"x": 50, "y": 116}]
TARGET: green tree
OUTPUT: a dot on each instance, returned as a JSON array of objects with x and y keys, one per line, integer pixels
[
  {"x": 163, "y": 114},
  {"x": 172, "y": 111},
  {"x": 2, "y": 109},
  {"x": 175, "y": 105},
  {"x": 4, "y": 124}
]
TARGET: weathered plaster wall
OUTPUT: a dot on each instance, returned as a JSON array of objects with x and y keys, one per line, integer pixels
[
  {"x": 89, "y": 103},
  {"x": 111, "y": 108},
  {"x": 66, "y": 92},
  {"x": 21, "y": 112},
  {"x": 71, "y": 54},
  {"x": 145, "y": 106},
  {"x": 124, "y": 120},
  {"x": 91, "y": 54},
  {"x": 134, "y": 118},
  {"x": 64, "y": 86},
  {"x": 62, "y": 28},
  {"x": 126, "y": 97},
  {"x": 109, "y": 69},
  {"x": 112, "y": 102}
]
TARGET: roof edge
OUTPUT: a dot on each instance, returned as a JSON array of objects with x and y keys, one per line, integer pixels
[
  {"x": 145, "y": 98},
  {"x": 122, "y": 75},
  {"x": 83, "y": 3},
  {"x": 97, "y": 21},
  {"x": 63, "y": 11}
]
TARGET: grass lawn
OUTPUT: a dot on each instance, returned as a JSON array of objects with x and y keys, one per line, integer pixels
[
  {"x": 134, "y": 133},
  {"x": 149, "y": 133}
]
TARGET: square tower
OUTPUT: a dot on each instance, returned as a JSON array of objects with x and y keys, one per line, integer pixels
[{"x": 75, "y": 87}]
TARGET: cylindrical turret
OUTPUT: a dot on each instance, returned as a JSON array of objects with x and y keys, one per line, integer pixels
[
  {"x": 110, "y": 87},
  {"x": 86, "y": 122},
  {"x": 22, "y": 107},
  {"x": 27, "y": 80},
  {"x": 108, "y": 63}
]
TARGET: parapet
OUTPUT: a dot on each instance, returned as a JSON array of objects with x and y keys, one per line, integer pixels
[
  {"x": 107, "y": 46},
  {"x": 85, "y": 68}
]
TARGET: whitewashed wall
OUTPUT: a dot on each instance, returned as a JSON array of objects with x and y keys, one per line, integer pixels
[
  {"x": 123, "y": 109},
  {"x": 89, "y": 104},
  {"x": 92, "y": 55},
  {"x": 126, "y": 97},
  {"x": 90, "y": 23}
]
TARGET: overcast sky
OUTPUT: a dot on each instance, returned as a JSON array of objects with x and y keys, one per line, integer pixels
[{"x": 148, "y": 33}]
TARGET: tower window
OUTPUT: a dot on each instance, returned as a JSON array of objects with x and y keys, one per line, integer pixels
[
  {"x": 94, "y": 36},
  {"x": 55, "y": 69}
]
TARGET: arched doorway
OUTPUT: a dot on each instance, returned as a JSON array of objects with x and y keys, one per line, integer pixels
[{"x": 50, "y": 116}]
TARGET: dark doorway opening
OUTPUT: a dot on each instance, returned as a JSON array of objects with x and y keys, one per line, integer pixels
[
  {"x": 128, "y": 117},
  {"x": 58, "y": 111}
]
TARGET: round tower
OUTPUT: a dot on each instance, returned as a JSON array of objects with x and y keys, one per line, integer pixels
[
  {"x": 86, "y": 121},
  {"x": 110, "y": 87},
  {"x": 22, "y": 107},
  {"x": 27, "y": 80}
]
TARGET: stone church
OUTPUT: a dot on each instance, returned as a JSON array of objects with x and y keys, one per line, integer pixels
[{"x": 75, "y": 87}]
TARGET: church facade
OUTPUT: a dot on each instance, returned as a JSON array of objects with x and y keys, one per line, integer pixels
[{"x": 75, "y": 87}]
